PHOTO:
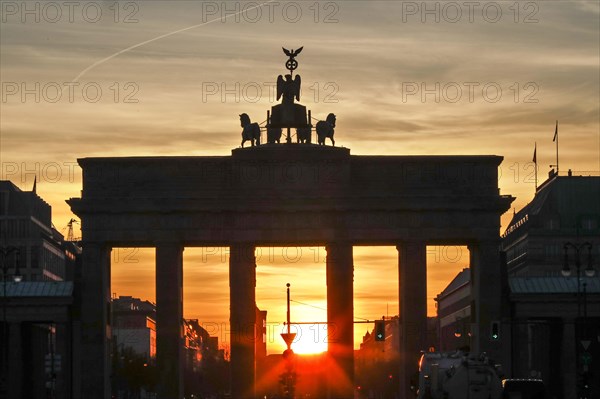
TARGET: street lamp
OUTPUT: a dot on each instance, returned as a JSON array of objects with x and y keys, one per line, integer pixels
[
  {"x": 589, "y": 272},
  {"x": 288, "y": 378},
  {"x": 458, "y": 330},
  {"x": 17, "y": 277}
]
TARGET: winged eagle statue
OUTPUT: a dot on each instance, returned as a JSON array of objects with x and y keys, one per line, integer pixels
[
  {"x": 291, "y": 53},
  {"x": 288, "y": 88}
]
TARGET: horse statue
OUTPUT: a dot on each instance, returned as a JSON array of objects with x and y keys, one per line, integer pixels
[
  {"x": 273, "y": 135},
  {"x": 251, "y": 130},
  {"x": 325, "y": 129},
  {"x": 303, "y": 134}
]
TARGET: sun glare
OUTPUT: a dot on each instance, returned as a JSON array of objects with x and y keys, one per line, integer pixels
[{"x": 311, "y": 339}]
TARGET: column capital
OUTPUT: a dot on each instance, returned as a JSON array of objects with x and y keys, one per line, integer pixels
[
  {"x": 339, "y": 254},
  {"x": 410, "y": 243},
  {"x": 169, "y": 244},
  {"x": 243, "y": 254},
  {"x": 492, "y": 241},
  {"x": 95, "y": 244},
  {"x": 338, "y": 243}
]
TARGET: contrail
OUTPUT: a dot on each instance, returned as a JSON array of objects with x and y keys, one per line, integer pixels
[{"x": 110, "y": 57}]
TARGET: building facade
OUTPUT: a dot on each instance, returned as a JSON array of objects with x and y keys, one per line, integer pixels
[
  {"x": 454, "y": 314},
  {"x": 564, "y": 209},
  {"x": 554, "y": 317},
  {"x": 26, "y": 223},
  {"x": 38, "y": 310},
  {"x": 134, "y": 325},
  {"x": 552, "y": 249},
  {"x": 37, "y": 332},
  {"x": 377, "y": 362}
]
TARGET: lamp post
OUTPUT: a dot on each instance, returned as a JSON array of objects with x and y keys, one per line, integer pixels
[
  {"x": 589, "y": 272},
  {"x": 17, "y": 277},
  {"x": 288, "y": 378}
]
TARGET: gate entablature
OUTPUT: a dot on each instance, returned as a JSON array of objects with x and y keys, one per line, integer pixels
[
  {"x": 268, "y": 194},
  {"x": 285, "y": 195},
  {"x": 320, "y": 172}
]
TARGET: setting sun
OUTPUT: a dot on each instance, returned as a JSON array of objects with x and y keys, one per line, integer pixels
[{"x": 310, "y": 339}]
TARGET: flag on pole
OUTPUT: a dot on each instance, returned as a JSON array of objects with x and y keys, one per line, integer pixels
[
  {"x": 555, "y": 132},
  {"x": 534, "y": 153}
]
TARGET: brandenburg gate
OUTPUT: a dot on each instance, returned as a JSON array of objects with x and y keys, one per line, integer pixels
[{"x": 284, "y": 195}]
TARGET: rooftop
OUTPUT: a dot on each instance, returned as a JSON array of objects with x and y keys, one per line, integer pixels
[
  {"x": 566, "y": 196},
  {"x": 552, "y": 285},
  {"x": 460, "y": 280}
]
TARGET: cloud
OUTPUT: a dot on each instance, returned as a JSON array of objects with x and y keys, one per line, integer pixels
[{"x": 370, "y": 53}]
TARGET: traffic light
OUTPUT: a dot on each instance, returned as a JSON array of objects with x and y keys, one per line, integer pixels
[
  {"x": 379, "y": 330},
  {"x": 495, "y": 331}
]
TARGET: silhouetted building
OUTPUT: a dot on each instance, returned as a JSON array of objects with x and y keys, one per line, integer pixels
[
  {"x": 134, "y": 326},
  {"x": 377, "y": 362},
  {"x": 372, "y": 351},
  {"x": 205, "y": 371},
  {"x": 454, "y": 313},
  {"x": 564, "y": 208},
  {"x": 37, "y": 316},
  {"x": 26, "y": 223},
  {"x": 554, "y": 320},
  {"x": 552, "y": 338},
  {"x": 39, "y": 323},
  {"x": 72, "y": 251},
  {"x": 134, "y": 335},
  {"x": 199, "y": 345}
]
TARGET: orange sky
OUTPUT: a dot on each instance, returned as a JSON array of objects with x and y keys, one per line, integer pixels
[
  {"x": 206, "y": 286},
  {"x": 400, "y": 80}
]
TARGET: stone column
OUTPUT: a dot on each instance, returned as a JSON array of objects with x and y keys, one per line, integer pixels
[
  {"x": 412, "y": 265},
  {"x": 15, "y": 361},
  {"x": 169, "y": 320},
  {"x": 569, "y": 359},
  {"x": 242, "y": 285},
  {"x": 486, "y": 301},
  {"x": 95, "y": 322},
  {"x": 340, "y": 319}
]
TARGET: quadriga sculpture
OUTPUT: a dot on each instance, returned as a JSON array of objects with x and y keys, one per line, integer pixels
[
  {"x": 250, "y": 132},
  {"x": 325, "y": 129}
]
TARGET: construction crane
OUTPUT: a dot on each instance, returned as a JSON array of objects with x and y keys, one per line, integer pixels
[{"x": 70, "y": 231}]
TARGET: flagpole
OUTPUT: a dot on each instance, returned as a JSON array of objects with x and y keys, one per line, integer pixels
[
  {"x": 535, "y": 165},
  {"x": 556, "y": 137}
]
